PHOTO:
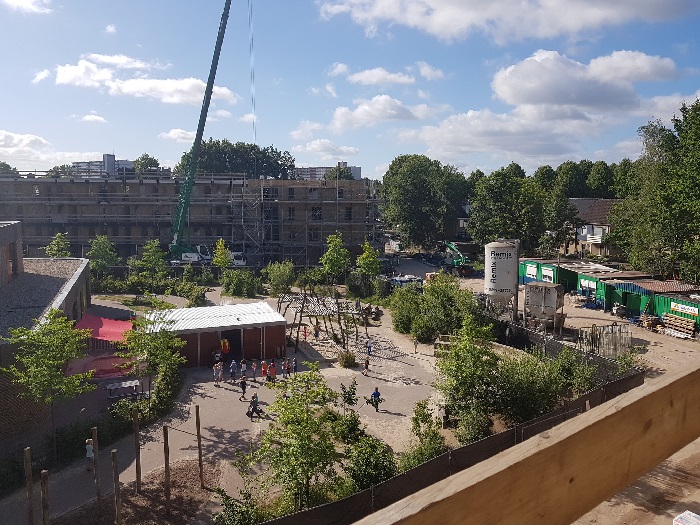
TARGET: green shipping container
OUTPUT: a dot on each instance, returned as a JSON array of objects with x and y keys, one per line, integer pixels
[{"x": 679, "y": 306}]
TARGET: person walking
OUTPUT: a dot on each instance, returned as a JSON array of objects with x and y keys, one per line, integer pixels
[
  {"x": 243, "y": 387},
  {"x": 263, "y": 370},
  {"x": 369, "y": 347},
  {"x": 218, "y": 372},
  {"x": 254, "y": 366},
  {"x": 244, "y": 367},
  {"x": 415, "y": 345},
  {"x": 284, "y": 369},
  {"x": 254, "y": 407},
  {"x": 294, "y": 365},
  {"x": 365, "y": 371},
  {"x": 375, "y": 399},
  {"x": 289, "y": 368},
  {"x": 232, "y": 370},
  {"x": 89, "y": 454},
  {"x": 272, "y": 371}
]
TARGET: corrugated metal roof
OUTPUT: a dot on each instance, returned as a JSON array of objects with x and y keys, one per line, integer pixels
[
  {"x": 654, "y": 286},
  {"x": 210, "y": 318},
  {"x": 667, "y": 286}
]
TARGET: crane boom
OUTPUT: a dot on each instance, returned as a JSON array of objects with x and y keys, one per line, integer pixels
[{"x": 183, "y": 202}]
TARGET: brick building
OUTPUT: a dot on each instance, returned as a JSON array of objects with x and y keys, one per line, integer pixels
[{"x": 267, "y": 219}]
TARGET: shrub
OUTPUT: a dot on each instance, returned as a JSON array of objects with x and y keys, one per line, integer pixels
[
  {"x": 241, "y": 283},
  {"x": 348, "y": 428},
  {"x": 474, "y": 424},
  {"x": 369, "y": 462},
  {"x": 347, "y": 359}
]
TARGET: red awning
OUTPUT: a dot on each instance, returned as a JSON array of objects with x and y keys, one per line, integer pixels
[{"x": 105, "y": 329}]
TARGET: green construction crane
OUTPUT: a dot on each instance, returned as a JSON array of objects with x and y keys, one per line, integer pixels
[
  {"x": 177, "y": 247},
  {"x": 457, "y": 263}
]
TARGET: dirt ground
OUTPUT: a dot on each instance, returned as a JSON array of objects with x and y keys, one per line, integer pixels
[{"x": 187, "y": 499}]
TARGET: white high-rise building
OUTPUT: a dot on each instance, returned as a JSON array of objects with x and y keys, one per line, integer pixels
[{"x": 319, "y": 172}]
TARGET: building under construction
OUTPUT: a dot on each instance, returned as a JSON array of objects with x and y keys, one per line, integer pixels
[{"x": 266, "y": 219}]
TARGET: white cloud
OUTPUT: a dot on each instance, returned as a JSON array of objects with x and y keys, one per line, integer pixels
[
  {"x": 178, "y": 135},
  {"x": 169, "y": 90},
  {"x": 29, "y": 6},
  {"x": 338, "y": 68},
  {"x": 248, "y": 118},
  {"x": 305, "y": 130},
  {"x": 330, "y": 89},
  {"x": 84, "y": 74},
  {"x": 504, "y": 20},
  {"x": 221, "y": 113},
  {"x": 91, "y": 117},
  {"x": 118, "y": 61},
  {"x": 110, "y": 28},
  {"x": 429, "y": 72},
  {"x": 41, "y": 75},
  {"x": 631, "y": 66},
  {"x": 326, "y": 149},
  {"x": 381, "y": 108},
  {"x": 379, "y": 76},
  {"x": 87, "y": 73},
  {"x": 423, "y": 94},
  {"x": 32, "y": 152}
]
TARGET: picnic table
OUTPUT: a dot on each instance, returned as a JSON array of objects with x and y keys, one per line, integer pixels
[{"x": 133, "y": 384}]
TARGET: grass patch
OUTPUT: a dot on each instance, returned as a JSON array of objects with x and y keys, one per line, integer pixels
[{"x": 139, "y": 302}]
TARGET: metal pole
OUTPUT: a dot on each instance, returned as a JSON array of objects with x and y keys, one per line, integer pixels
[
  {"x": 166, "y": 454},
  {"x": 30, "y": 484},
  {"x": 117, "y": 490},
  {"x": 137, "y": 448},
  {"x": 45, "y": 497},
  {"x": 96, "y": 466},
  {"x": 199, "y": 445}
]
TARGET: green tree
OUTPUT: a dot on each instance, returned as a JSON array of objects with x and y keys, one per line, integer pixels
[
  {"x": 222, "y": 256},
  {"x": 58, "y": 247},
  {"x": 152, "y": 264},
  {"x": 145, "y": 162},
  {"x": 368, "y": 261},
  {"x": 405, "y": 303},
  {"x": 577, "y": 375},
  {"x": 6, "y": 168},
  {"x": 42, "y": 356},
  {"x": 601, "y": 181},
  {"x": 571, "y": 179},
  {"x": 241, "y": 283},
  {"x": 545, "y": 177},
  {"x": 336, "y": 260},
  {"x": 623, "y": 178},
  {"x": 369, "y": 462},
  {"x": 422, "y": 198},
  {"x": 561, "y": 221},
  {"x": 508, "y": 205},
  {"x": 280, "y": 277},
  {"x": 339, "y": 173},
  {"x": 63, "y": 170},
  {"x": 222, "y": 156},
  {"x": 102, "y": 255},
  {"x": 152, "y": 350},
  {"x": 298, "y": 447},
  {"x": 527, "y": 387},
  {"x": 431, "y": 443}
]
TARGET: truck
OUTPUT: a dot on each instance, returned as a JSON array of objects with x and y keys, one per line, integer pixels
[{"x": 198, "y": 254}]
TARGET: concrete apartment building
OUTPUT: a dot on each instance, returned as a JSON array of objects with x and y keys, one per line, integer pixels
[
  {"x": 319, "y": 172},
  {"x": 267, "y": 219}
]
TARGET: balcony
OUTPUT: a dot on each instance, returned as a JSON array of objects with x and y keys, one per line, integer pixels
[{"x": 594, "y": 239}]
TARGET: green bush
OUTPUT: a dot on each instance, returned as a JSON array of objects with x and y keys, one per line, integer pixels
[
  {"x": 473, "y": 424},
  {"x": 195, "y": 294},
  {"x": 347, "y": 359},
  {"x": 348, "y": 428},
  {"x": 369, "y": 462},
  {"x": 241, "y": 283}
]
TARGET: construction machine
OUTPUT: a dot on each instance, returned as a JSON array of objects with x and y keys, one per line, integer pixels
[
  {"x": 181, "y": 251},
  {"x": 455, "y": 262}
]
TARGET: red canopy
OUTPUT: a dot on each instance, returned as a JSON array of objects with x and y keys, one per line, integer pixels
[{"x": 105, "y": 329}]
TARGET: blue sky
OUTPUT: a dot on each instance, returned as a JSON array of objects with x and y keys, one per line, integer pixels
[{"x": 471, "y": 83}]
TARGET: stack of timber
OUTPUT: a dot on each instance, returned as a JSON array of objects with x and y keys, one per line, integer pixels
[
  {"x": 649, "y": 321},
  {"x": 678, "y": 326}
]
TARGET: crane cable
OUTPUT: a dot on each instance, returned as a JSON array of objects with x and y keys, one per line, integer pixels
[{"x": 252, "y": 77}]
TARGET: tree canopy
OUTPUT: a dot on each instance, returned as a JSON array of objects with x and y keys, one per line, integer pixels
[
  {"x": 102, "y": 255},
  {"x": 223, "y": 156},
  {"x": 152, "y": 263},
  {"x": 58, "y": 247},
  {"x": 339, "y": 173},
  {"x": 6, "y": 168},
  {"x": 422, "y": 198},
  {"x": 61, "y": 170},
  {"x": 145, "y": 162}
]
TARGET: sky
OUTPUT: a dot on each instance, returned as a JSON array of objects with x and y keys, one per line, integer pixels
[{"x": 470, "y": 83}]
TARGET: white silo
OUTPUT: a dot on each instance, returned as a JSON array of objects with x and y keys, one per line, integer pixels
[{"x": 501, "y": 271}]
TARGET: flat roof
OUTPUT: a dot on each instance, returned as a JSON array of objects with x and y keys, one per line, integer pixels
[{"x": 211, "y": 318}]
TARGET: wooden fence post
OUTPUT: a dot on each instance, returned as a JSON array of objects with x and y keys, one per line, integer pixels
[
  {"x": 96, "y": 467},
  {"x": 30, "y": 484},
  {"x": 117, "y": 490},
  {"x": 199, "y": 445},
  {"x": 137, "y": 448},
  {"x": 45, "y": 497},
  {"x": 166, "y": 453}
]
